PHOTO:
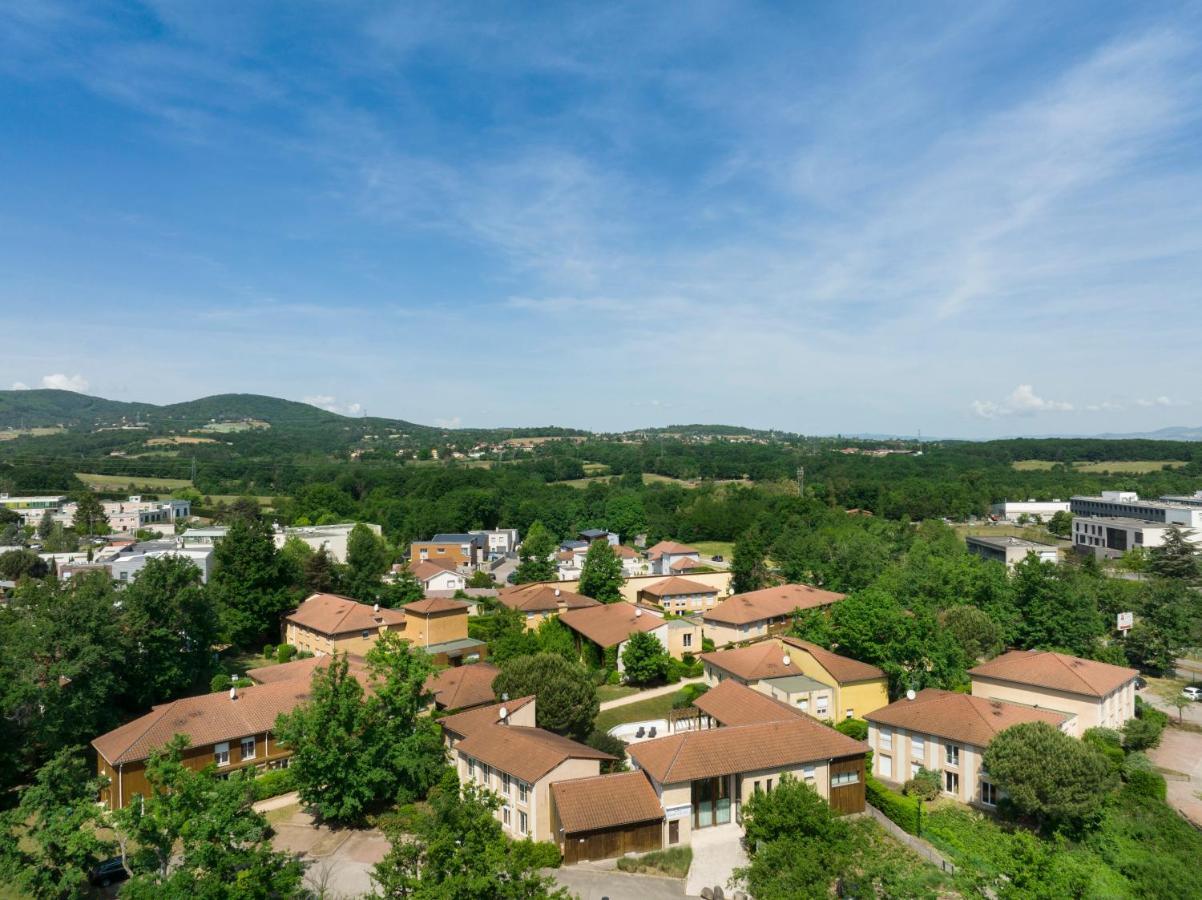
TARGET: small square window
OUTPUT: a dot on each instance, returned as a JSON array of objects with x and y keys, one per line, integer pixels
[{"x": 248, "y": 748}]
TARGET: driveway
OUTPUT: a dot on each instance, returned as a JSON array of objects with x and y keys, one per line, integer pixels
[
  {"x": 1192, "y": 712},
  {"x": 717, "y": 852},
  {"x": 591, "y": 884},
  {"x": 338, "y": 862},
  {"x": 1181, "y": 752}
]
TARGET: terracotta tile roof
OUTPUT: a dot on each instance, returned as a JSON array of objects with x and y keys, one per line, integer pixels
[
  {"x": 769, "y": 603},
  {"x": 743, "y": 748},
  {"x": 763, "y": 660},
  {"x": 303, "y": 670},
  {"x": 959, "y": 717},
  {"x": 610, "y": 624},
  {"x": 206, "y": 719},
  {"x": 843, "y": 669},
  {"x": 332, "y": 614},
  {"x": 605, "y": 801},
  {"x": 525, "y": 752},
  {"x": 434, "y": 605},
  {"x": 543, "y": 597},
  {"x": 675, "y": 585},
  {"x": 685, "y": 565},
  {"x": 427, "y": 569},
  {"x": 672, "y": 548},
  {"x": 732, "y": 703},
  {"x": 1056, "y": 671},
  {"x": 463, "y": 686},
  {"x": 472, "y": 720},
  {"x": 624, "y": 552}
]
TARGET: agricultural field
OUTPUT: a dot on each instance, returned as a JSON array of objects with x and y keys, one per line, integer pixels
[
  {"x": 130, "y": 482},
  {"x": 234, "y": 427},
  {"x": 1117, "y": 466},
  {"x": 182, "y": 439},
  {"x": 14, "y": 433}
]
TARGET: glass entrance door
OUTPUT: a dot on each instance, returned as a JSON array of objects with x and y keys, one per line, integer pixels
[{"x": 711, "y": 802}]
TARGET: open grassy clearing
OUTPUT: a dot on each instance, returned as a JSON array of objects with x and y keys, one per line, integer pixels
[
  {"x": 227, "y": 499},
  {"x": 651, "y": 708},
  {"x": 715, "y": 548},
  {"x": 592, "y": 468},
  {"x": 14, "y": 433},
  {"x": 115, "y": 482},
  {"x": 614, "y": 691},
  {"x": 1118, "y": 466}
]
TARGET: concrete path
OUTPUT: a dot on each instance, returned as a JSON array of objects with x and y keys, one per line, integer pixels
[
  {"x": 717, "y": 852},
  {"x": 653, "y": 692},
  {"x": 593, "y": 884},
  {"x": 338, "y": 861},
  {"x": 277, "y": 802},
  {"x": 1181, "y": 751}
]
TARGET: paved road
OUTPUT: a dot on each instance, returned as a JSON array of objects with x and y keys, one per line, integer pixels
[
  {"x": 590, "y": 884},
  {"x": 654, "y": 692},
  {"x": 1181, "y": 751}
]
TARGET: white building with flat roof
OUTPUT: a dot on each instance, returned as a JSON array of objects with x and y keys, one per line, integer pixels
[
  {"x": 1010, "y": 550},
  {"x": 1109, "y": 537},
  {"x": 333, "y": 538},
  {"x": 1043, "y": 510},
  {"x": 1127, "y": 505}
]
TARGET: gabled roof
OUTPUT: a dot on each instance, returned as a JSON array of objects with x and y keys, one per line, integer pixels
[
  {"x": 477, "y": 539},
  {"x": 732, "y": 703},
  {"x": 675, "y": 585},
  {"x": 525, "y": 752},
  {"x": 672, "y": 548},
  {"x": 304, "y": 669},
  {"x": 605, "y": 801},
  {"x": 685, "y": 564},
  {"x": 764, "y": 660},
  {"x": 843, "y": 669},
  {"x": 960, "y": 717},
  {"x": 430, "y": 606},
  {"x": 429, "y": 568},
  {"x": 1056, "y": 671},
  {"x": 769, "y": 603},
  {"x": 205, "y": 719},
  {"x": 710, "y": 753},
  {"x": 472, "y": 720},
  {"x": 610, "y": 624},
  {"x": 542, "y": 597},
  {"x": 332, "y": 614},
  {"x": 624, "y": 552},
  {"x": 460, "y": 687}
]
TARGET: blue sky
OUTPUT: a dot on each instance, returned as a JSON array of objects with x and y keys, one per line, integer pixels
[{"x": 973, "y": 219}]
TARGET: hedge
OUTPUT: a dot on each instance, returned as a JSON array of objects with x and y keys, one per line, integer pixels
[
  {"x": 1146, "y": 783},
  {"x": 274, "y": 783},
  {"x": 905, "y": 812}
]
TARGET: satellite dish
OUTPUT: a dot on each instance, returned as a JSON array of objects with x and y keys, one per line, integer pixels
[
  {"x": 786, "y": 660},
  {"x": 504, "y": 713},
  {"x": 637, "y": 613},
  {"x": 910, "y": 695}
]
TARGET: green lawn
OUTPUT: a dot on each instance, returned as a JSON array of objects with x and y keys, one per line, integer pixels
[
  {"x": 232, "y": 663},
  {"x": 115, "y": 482},
  {"x": 614, "y": 691},
  {"x": 725, "y": 549},
  {"x": 1130, "y": 466},
  {"x": 651, "y": 708}
]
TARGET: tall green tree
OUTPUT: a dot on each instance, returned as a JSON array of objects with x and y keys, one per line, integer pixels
[
  {"x": 319, "y": 573},
  {"x": 1047, "y": 774},
  {"x": 50, "y": 841},
  {"x": 89, "y": 516},
  {"x": 46, "y": 526},
  {"x": 195, "y": 835},
  {"x": 601, "y": 577},
  {"x": 645, "y": 659},
  {"x": 566, "y": 698},
  {"x": 977, "y": 634},
  {"x": 1055, "y": 612},
  {"x": 170, "y": 622},
  {"x": 366, "y": 563},
  {"x": 749, "y": 562},
  {"x": 1175, "y": 558},
  {"x": 537, "y": 556},
  {"x": 456, "y": 850},
  {"x": 555, "y": 637},
  {"x": 250, "y": 583}
]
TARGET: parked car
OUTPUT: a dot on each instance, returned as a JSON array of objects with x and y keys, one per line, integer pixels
[
  {"x": 1192, "y": 692},
  {"x": 718, "y": 557},
  {"x": 1140, "y": 682},
  {"x": 108, "y": 872}
]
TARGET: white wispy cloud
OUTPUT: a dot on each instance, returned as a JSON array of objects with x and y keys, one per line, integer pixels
[
  {"x": 330, "y": 403},
  {"x": 61, "y": 382},
  {"x": 1022, "y": 401},
  {"x": 20, "y": 386}
]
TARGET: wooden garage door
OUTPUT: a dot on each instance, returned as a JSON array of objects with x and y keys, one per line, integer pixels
[
  {"x": 848, "y": 798},
  {"x": 607, "y": 843}
]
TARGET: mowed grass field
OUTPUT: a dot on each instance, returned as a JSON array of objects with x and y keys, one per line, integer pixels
[
  {"x": 1117, "y": 466},
  {"x": 118, "y": 482},
  {"x": 15, "y": 433},
  {"x": 725, "y": 549},
  {"x": 1030, "y": 532}
]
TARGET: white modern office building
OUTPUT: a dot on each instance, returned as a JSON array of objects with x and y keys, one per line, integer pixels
[
  {"x": 1127, "y": 505},
  {"x": 1043, "y": 510},
  {"x": 1109, "y": 537}
]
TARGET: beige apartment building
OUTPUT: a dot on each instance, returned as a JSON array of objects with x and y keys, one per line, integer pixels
[
  {"x": 679, "y": 596},
  {"x": 759, "y": 614},
  {"x": 542, "y": 601}
]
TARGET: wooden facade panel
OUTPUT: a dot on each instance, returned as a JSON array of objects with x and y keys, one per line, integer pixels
[
  {"x": 848, "y": 798},
  {"x": 607, "y": 843}
]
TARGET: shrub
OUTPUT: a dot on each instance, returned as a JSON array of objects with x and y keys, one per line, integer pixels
[
  {"x": 707, "y": 645},
  {"x": 902, "y": 811},
  {"x": 856, "y": 729},
  {"x": 220, "y": 682},
  {"x": 676, "y": 670},
  {"x": 1147, "y": 783},
  {"x": 537, "y": 854},
  {"x": 1109, "y": 743},
  {"x": 269, "y": 651},
  {"x": 614, "y": 677},
  {"x": 1145, "y": 730},
  {"x": 607, "y": 743},
  {"x": 274, "y": 783},
  {"x": 284, "y": 652},
  {"x": 925, "y": 785},
  {"x": 688, "y": 694},
  {"x": 674, "y": 861}
]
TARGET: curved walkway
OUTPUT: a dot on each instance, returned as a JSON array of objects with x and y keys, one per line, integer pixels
[{"x": 653, "y": 692}]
